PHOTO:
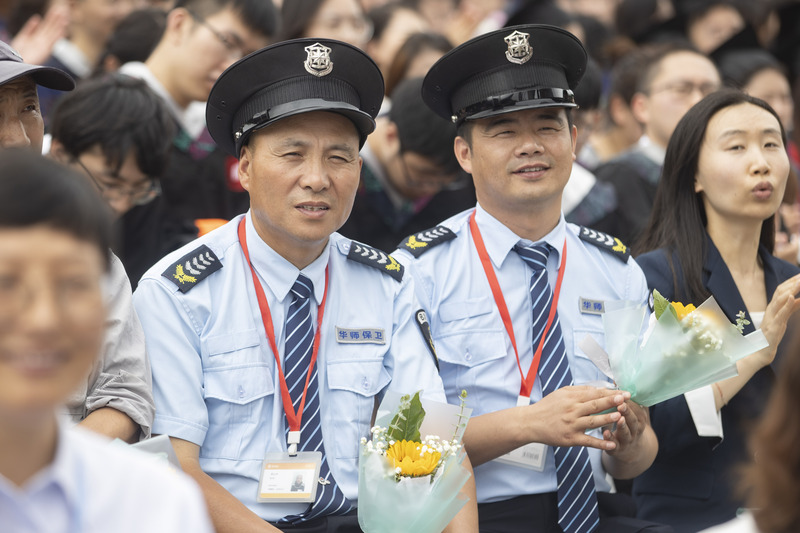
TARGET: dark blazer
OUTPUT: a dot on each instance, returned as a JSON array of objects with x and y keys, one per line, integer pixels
[{"x": 692, "y": 482}]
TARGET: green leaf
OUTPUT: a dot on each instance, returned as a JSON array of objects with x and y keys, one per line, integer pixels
[
  {"x": 660, "y": 304},
  {"x": 406, "y": 423}
]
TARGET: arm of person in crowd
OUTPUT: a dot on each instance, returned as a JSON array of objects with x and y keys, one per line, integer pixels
[
  {"x": 228, "y": 514},
  {"x": 635, "y": 442},
  {"x": 466, "y": 520},
  {"x": 559, "y": 419},
  {"x": 783, "y": 305},
  {"x": 35, "y": 40},
  {"x": 120, "y": 398},
  {"x": 111, "y": 423}
]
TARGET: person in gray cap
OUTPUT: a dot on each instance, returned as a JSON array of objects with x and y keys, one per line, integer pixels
[
  {"x": 488, "y": 278},
  {"x": 21, "y": 123},
  {"x": 272, "y": 338}
]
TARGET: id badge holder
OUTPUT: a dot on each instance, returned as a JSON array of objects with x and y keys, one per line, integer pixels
[
  {"x": 289, "y": 478},
  {"x": 530, "y": 456}
]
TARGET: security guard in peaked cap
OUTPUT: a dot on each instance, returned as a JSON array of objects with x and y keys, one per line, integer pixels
[
  {"x": 289, "y": 78},
  {"x": 521, "y": 67}
]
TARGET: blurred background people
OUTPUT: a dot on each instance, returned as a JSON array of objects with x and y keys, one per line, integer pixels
[
  {"x": 54, "y": 239},
  {"x": 673, "y": 79},
  {"x": 343, "y": 20},
  {"x": 410, "y": 178}
]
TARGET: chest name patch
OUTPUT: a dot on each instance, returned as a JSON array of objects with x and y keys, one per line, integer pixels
[
  {"x": 360, "y": 336},
  {"x": 591, "y": 307}
]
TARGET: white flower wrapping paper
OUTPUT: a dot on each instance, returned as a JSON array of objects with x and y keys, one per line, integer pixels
[{"x": 674, "y": 357}]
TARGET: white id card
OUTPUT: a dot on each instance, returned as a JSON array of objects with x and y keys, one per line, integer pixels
[
  {"x": 292, "y": 479},
  {"x": 531, "y": 455}
]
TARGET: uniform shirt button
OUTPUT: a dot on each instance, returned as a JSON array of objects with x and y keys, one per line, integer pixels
[
  {"x": 365, "y": 383},
  {"x": 241, "y": 392},
  {"x": 468, "y": 356}
]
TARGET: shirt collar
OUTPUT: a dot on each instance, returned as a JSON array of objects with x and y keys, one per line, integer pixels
[
  {"x": 650, "y": 149},
  {"x": 278, "y": 273},
  {"x": 499, "y": 240},
  {"x": 72, "y": 57}
]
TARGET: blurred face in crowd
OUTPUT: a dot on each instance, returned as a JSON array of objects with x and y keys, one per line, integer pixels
[
  {"x": 403, "y": 23},
  {"x": 122, "y": 188},
  {"x": 714, "y": 27},
  {"x": 52, "y": 318},
  {"x": 96, "y": 19},
  {"x": 302, "y": 173},
  {"x": 772, "y": 86},
  {"x": 743, "y": 165},
  {"x": 342, "y": 20},
  {"x": 205, "y": 48},
  {"x": 681, "y": 80},
  {"x": 519, "y": 161},
  {"x": 21, "y": 122}
]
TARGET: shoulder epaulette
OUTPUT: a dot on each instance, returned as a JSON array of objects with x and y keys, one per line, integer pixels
[
  {"x": 421, "y": 242},
  {"x": 376, "y": 259},
  {"x": 605, "y": 242},
  {"x": 192, "y": 268}
]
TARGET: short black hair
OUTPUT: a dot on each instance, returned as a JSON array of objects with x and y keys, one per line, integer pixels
[
  {"x": 420, "y": 129},
  {"x": 135, "y": 37},
  {"x": 119, "y": 114},
  {"x": 260, "y": 16},
  {"x": 590, "y": 90},
  {"x": 296, "y": 17},
  {"x": 738, "y": 67},
  {"x": 35, "y": 190}
]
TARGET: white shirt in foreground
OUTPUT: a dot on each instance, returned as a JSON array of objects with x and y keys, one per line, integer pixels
[{"x": 93, "y": 487}]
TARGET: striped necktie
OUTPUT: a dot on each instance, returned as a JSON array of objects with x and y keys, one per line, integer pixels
[
  {"x": 298, "y": 350},
  {"x": 577, "y": 501}
]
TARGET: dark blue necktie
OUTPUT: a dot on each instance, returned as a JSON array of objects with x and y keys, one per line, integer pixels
[
  {"x": 298, "y": 350},
  {"x": 577, "y": 501}
]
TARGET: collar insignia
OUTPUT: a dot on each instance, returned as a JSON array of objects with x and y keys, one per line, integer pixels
[
  {"x": 318, "y": 62},
  {"x": 519, "y": 51}
]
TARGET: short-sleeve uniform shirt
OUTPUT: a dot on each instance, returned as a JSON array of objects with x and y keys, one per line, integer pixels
[
  {"x": 215, "y": 376},
  {"x": 474, "y": 349}
]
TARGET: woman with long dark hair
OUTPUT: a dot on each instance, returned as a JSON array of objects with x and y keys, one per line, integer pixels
[{"x": 712, "y": 232}]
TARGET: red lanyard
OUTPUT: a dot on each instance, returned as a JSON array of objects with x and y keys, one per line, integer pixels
[
  {"x": 293, "y": 418},
  {"x": 527, "y": 381}
]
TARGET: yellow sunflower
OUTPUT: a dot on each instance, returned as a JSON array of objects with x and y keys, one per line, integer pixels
[
  {"x": 682, "y": 310},
  {"x": 408, "y": 455}
]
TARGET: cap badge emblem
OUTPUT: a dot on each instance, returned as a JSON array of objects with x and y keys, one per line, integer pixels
[
  {"x": 519, "y": 50},
  {"x": 318, "y": 62}
]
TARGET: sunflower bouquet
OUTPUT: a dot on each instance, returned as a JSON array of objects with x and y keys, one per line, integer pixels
[
  {"x": 408, "y": 482},
  {"x": 684, "y": 347}
]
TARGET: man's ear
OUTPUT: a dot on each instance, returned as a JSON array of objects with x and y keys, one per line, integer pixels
[
  {"x": 640, "y": 107},
  {"x": 58, "y": 152},
  {"x": 391, "y": 137},
  {"x": 245, "y": 167},
  {"x": 463, "y": 153},
  {"x": 179, "y": 22}
]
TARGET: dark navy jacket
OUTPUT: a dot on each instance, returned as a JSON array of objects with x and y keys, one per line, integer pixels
[{"x": 692, "y": 483}]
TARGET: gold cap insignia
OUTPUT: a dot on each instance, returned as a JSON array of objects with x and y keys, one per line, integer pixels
[
  {"x": 318, "y": 62},
  {"x": 519, "y": 50}
]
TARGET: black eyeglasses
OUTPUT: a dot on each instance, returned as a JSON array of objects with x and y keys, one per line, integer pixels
[
  {"x": 234, "y": 47},
  {"x": 140, "y": 194}
]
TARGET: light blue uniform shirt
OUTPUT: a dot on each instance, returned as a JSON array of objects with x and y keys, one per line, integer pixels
[
  {"x": 214, "y": 374},
  {"x": 475, "y": 352}
]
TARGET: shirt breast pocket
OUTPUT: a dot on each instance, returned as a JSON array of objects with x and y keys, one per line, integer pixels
[
  {"x": 473, "y": 361},
  {"x": 584, "y": 371},
  {"x": 353, "y": 385},
  {"x": 239, "y": 393}
]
